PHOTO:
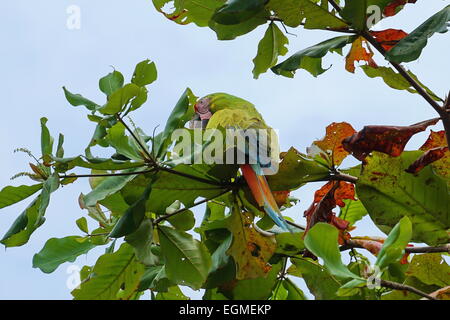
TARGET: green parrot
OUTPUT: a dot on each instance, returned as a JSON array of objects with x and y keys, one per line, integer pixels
[{"x": 230, "y": 112}]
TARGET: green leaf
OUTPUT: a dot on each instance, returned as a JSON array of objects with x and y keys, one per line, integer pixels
[
  {"x": 57, "y": 251},
  {"x": 78, "y": 100},
  {"x": 25, "y": 224},
  {"x": 395, "y": 80},
  {"x": 120, "y": 98},
  {"x": 220, "y": 257},
  {"x": 270, "y": 47},
  {"x": 409, "y": 48},
  {"x": 59, "y": 148},
  {"x": 295, "y": 170},
  {"x": 355, "y": 12},
  {"x": 111, "y": 82},
  {"x": 430, "y": 268},
  {"x": 310, "y": 58},
  {"x": 237, "y": 11},
  {"x": 290, "y": 243},
  {"x": 50, "y": 185},
  {"x": 187, "y": 260},
  {"x": 174, "y": 293},
  {"x": 145, "y": 73},
  {"x": 133, "y": 217},
  {"x": 107, "y": 187},
  {"x": 140, "y": 99},
  {"x": 182, "y": 113},
  {"x": 426, "y": 272},
  {"x": 294, "y": 292},
  {"x": 82, "y": 224},
  {"x": 259, "y": 288},
  {"x": 188, "y": 11},
  {"x": 322, "y": 241},
  {"x": 155, "y": 278},
  {"x": 115, "y": 276},
  {"x": 183, "y": 221},
  {"x": 389, "y": 193},
  {"x": 142, "y": 240},
  {"x": 353, "y": 211},
  {"x": 230, "y": 32},
  {"x": 294, "y": 12},
  {"x": 46, "y": 139},
  {"x": 123, "y": 144},
  {"x": 321, "y": 283},
  {"x": 394, "y": 246},
  {"x": 10, "y": 195}
]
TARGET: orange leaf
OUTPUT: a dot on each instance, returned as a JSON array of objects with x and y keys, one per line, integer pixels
[
  {"x": 435, "y": 139},
  {"x": 332, "y": 142},
  {"x": 389, "y": 37},
  {"x": 359, "y": 53},
  {"x": 387, "y": 139},
  {"x": 344, "y": 190}
]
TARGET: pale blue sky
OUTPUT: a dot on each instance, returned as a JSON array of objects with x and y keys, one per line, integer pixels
[{"x": 40, "y": 55}]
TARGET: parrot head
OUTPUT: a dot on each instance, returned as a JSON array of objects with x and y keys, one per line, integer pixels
[{"x": 202, "y": 113}]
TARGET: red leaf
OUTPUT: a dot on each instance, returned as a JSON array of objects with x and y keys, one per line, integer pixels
[
  {"x": 325, "y": 200},
  {"x": 437, "y": 140},
  {"x": 332, "y": 142},
  {"x": 359, "y": 53},
  {"x": 387, "y": 139},
  {"x": 389, "y": 37},
  {"x": 428, "y": 157},
  {"x": 391, "y": 9}
]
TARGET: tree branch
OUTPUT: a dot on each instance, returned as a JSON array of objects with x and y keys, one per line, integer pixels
[
  {"x": 404, "y": 287},
  {"x": 350, "y": 244}
]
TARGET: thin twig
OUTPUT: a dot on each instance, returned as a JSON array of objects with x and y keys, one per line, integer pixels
[
  {"x": 295, "y": 225},
  {"x": 167, "y": 216},
  {"x": 404, "y": 287}
]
